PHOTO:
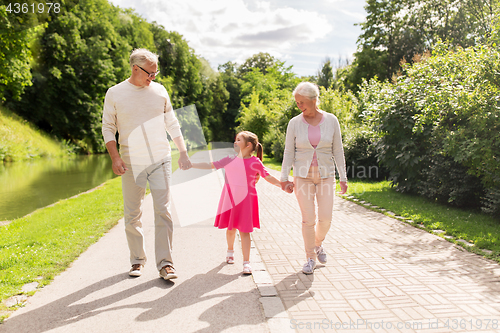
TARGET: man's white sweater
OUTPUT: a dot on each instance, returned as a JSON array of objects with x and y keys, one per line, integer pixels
[{"x": 141, "y": 115}]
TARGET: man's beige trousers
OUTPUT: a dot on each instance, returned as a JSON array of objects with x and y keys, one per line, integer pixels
[{"x": 134, "y": 188}]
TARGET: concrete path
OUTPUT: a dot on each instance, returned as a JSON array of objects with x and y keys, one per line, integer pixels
[
  {"x": 96, "y": 294},
  {"x": 382, "y": 276}
]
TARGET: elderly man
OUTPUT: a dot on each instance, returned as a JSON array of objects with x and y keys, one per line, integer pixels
[{"x": 140, "y": 110}]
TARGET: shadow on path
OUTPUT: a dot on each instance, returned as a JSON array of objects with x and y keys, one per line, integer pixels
[
  {"x": 294, "y": 289},
  {"x": 201, "y": 287}
]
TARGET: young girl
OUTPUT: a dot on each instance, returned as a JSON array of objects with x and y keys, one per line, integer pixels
[{"x": 238, "y": 206}]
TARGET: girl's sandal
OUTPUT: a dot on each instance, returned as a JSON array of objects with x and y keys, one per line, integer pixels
[
  {"x": 230, "y": 257},
  {"x": 247, "y": 269}
]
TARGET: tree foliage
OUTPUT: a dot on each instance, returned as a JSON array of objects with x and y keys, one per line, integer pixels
[
  {"x": 81, "y": 52},
  {"x": 397, "y": 30},
  {"x": 264, "y": 96},
  {"x": 438, "y": 125},
  {"x": 325, "y": 74},
  {"x": 74, "y": 68},
  {"x": 15, "y": 56},
  {"x": 261, "y": 61},
  {"x": 229, "y": 76}
]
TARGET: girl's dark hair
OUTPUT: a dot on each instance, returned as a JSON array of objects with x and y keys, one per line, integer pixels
[{"x": 254, "y": 140}]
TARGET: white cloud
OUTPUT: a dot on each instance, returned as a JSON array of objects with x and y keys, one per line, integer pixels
[
  {"x": 302, "y": 33},
  {"x": 230, "y": 29},
  {"x": 357, "y": 15}
]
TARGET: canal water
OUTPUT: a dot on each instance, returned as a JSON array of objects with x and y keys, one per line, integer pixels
[{"x": 27, "y": 186}]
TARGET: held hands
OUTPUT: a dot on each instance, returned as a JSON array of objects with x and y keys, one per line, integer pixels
[
  {"x": 287, "y": 186},
  {"x": 184, "y": 162}
]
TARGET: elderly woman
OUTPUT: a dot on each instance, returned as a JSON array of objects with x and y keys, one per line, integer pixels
[{"x": 313, "y": 142}]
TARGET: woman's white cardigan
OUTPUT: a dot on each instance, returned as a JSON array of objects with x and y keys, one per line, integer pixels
[{"x": 299, "y": 151}]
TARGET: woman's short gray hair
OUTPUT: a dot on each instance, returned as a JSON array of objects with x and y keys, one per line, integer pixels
[
  {"x": 142, "y": 57},
  {"x": 307, "y": 89}
]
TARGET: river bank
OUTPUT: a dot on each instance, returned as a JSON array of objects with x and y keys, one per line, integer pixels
[
  {"x": 19, "y": 140},
  {"x": 39, "y": 246},
  {"x": 33, "y": 184}
]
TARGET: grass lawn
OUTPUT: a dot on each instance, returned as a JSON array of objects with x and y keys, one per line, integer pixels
[
  {"x": 481, "y": 230},
  {"x": 41, "y": 245},
  {"x": 20, "y": 141}
]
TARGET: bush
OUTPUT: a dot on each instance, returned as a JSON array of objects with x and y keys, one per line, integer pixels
[
  {"x": 361, "y": 156},
  {"x": 274, "y": 144},
  {"x": 274, "y": 140},
  {"x": 491, "y": 202},
  {"x": 448, "y": 182},
  {"x": 437, "y": 126},
  {"x": 254, "y": 118}
]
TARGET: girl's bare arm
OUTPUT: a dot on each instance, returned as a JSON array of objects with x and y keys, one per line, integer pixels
[
  {"x": 203, "y": 165},
  {"x": 273, "y": 180}
]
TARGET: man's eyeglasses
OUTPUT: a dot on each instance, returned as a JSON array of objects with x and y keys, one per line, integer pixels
[{"x": 151, "y": 75}]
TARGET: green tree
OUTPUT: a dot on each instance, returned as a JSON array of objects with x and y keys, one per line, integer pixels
[
  {"x": 272, "y": 85},
  {"x": 178, "y": 62},
  {"x": 266, "y": 98},
  {"x": 396, "y": 31},
  {"x": 325, "y": 74},
  {"x": 228, "y": 74},
  {"x": 190, "y": 80},
  {"x": 255, "y": 117},
  {"x": 213, "y": 101},
  {"x": 135, "y": 30},
  {"x": 261, "y": 61},
  {"x": 75, "y": 66},
  {"x": 15, "y": 57}
]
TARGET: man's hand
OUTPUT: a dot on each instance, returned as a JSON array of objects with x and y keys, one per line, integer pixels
[
  {"x": 287, "y": 186},
  {"x": 184, "y": 162},
  {"x": 119, "y": 166}
]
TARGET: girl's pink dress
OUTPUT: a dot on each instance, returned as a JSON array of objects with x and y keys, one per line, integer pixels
[{"x": 238, "y": 205}]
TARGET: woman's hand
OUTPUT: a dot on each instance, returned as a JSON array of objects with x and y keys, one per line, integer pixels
[
  {"x": 343, "y": 188},
  {"x": 287, "y": 186}
]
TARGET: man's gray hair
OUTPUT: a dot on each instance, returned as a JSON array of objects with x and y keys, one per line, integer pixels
[
  {"x": 142, "y": 57},
  {"x": 307, "y": 89}
]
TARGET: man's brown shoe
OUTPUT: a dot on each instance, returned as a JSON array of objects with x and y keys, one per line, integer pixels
[
  {"x": 135, "y": 270},
  {"x": 168, "y": 272}
]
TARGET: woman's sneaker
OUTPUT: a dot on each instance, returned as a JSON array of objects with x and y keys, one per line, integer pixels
[
  {"x": 309, "y": 266},
  {"x": 321, "y": 254}
]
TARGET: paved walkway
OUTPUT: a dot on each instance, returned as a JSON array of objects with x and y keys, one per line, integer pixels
[{"x": 382, "y": 276}]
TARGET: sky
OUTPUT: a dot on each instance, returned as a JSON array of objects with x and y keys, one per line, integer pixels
[{"x": 300, "y": 33}]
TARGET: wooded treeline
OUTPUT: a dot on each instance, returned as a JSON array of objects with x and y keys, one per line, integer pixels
[
  {"x": 419, "y": 101},
  {"x": 58, "y": 67}
]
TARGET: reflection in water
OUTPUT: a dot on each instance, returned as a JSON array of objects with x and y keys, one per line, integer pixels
[{"x": 26, "y": 186}]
